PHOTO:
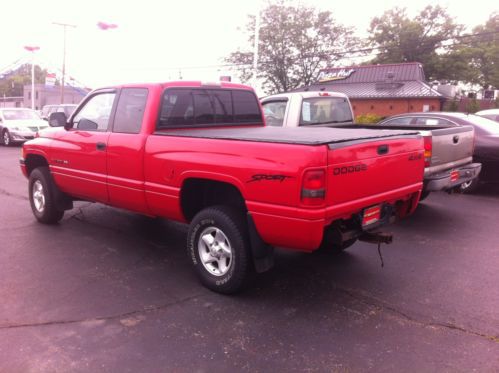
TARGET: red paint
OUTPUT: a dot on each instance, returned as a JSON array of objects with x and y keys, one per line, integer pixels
[{"x": 146, "y": 172}]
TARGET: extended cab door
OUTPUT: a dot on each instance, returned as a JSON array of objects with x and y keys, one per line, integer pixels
[
  {"x": 125, "y": 151},
  {"x": 78, "y": 155}
]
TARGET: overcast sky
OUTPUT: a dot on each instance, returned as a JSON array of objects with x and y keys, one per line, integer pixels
[{"x": 156, "y": 38}]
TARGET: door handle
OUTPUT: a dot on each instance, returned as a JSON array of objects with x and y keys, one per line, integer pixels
[
  {"x": 382, "y": 149},
  {"x": 100, "y": 146}
]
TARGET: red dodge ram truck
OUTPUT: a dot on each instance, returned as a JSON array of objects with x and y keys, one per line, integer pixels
[{"x": 201, "y": 154}]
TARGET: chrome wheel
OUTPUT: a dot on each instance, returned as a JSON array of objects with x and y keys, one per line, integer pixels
[
  {"x": 38, "y": 196},
  {"x": 215, "y": 251},
  {"x": 6, "y": 138}
]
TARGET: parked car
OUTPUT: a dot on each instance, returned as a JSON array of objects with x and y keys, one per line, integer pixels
[
  {"x": 18, "y": 125},
  {"x": 448, "y": 150},
  {"x": 62, "y": 108},
  {"x": 489, "y": 114},
  {"x": 486, "y": 147}
]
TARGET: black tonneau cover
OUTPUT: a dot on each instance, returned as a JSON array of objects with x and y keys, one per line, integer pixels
[{"x": 295, "y": 135}]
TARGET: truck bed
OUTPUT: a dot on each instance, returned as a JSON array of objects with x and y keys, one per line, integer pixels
[{"x": 297, "y": 135}]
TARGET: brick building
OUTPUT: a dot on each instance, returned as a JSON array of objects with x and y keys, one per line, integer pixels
[{"x": 381, "y": 89}]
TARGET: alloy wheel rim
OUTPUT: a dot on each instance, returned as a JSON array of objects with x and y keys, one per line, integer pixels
[
  {"x": 38, "y": 196},
  {"x": 215, "y": 251},
  {"x": 6, "y": 138}
]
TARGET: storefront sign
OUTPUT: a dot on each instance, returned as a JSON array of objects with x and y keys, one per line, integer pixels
[{"x": 327, "y": 76}]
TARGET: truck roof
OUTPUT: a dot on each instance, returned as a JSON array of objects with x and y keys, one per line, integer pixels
[
  {"x": 184, "y": 83},
  {"x": 307, "y": 94}
]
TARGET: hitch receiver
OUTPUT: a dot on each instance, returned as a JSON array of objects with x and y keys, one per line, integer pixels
[{"x": 377, "y": 237}]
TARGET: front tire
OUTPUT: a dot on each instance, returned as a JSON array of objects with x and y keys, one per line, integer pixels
[
  {"x": 41, "y": 196},
  {"x": 6, "y": 139},
  {"x": 218, "y": 246}
]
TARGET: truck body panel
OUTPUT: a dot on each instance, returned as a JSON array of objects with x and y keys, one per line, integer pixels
[{"x": 147, "y": 171}]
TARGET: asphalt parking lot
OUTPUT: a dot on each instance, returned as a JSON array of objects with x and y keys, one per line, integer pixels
[{"x": 107, "y": 290}]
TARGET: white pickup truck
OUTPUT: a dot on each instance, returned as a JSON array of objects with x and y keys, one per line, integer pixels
[{"x": 448, "y": 149}]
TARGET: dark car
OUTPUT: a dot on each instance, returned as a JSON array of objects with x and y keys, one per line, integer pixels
[{"x": 486, "y": 149}]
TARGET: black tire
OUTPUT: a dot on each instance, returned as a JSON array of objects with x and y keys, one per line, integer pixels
[
  {"x": 424, "y": 195},
  {"x": 225, "y": 274},
  {"x": 41, "y": 196},
  {"x": 6, "y": 138},
  {"x": 469, "y": 187}
]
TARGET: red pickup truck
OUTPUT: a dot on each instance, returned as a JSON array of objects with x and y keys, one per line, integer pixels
[{"x": 201, "y": 154}]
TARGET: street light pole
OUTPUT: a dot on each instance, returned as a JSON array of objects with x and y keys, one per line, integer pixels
[
  {"x": 32, "y": 50},
  {"x": 64, "y": 26}
]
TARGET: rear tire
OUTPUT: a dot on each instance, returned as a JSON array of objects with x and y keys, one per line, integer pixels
[
  {"x": 41, "y": 196},
  {"x": 218, "y": 245}
]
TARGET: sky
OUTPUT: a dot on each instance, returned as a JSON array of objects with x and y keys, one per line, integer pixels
[{"x": 163, "y": 40}]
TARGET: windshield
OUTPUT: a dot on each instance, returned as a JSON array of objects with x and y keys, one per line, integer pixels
[
  {"x": 487, "y": 126},
  {"x": 322, "y": 110},
  {"x": 20, "y": 114}
]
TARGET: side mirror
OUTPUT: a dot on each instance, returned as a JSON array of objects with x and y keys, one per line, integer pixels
[{"x": 57, "y": 120}]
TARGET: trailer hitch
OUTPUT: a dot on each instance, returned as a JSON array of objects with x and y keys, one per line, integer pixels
[{"x": 377, "y": 238}]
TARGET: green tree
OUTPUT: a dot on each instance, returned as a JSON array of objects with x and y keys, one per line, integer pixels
[
  {"x": 295, "y": 42},
  {"x": 13, "y": 84},
  {"x": 482, "y": 53},
  {"x": 427, "y": 38}
]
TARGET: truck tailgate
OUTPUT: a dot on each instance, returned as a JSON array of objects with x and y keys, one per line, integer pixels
[
  {"x": 450, "y": 145},
  {"x": 373, "y": 169}
]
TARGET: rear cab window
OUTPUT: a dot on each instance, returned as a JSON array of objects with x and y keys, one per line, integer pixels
[
  {"x": 199, "y": 107},
  {"x": 323, "y": 110}
]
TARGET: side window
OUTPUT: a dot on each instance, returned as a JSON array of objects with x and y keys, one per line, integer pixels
[
  {"x": 431, "y": 121},
  {"x": 274, "y": 112},
  {"x": 94, "y": 116},
  {"x": 177, "y": 108},
  {"x": 130, "y": 110},
  {"x": 246, "y": 107},
  {"x": 402, "y": 121}
]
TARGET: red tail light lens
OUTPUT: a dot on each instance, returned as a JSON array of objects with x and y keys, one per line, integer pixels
[
  {"x": 427, "y": 151},
  {"x": 313, "y": 190}
]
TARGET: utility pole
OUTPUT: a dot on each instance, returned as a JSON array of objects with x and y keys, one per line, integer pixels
[
  {"x": 32, "y": 49},
  {"x": 64, "y": 26},
  {"x": 257, "y": 41}
]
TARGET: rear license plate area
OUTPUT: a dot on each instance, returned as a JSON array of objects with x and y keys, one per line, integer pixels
[{"x": 371, "y": 215}]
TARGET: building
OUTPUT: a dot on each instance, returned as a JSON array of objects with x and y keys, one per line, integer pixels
[
  {"x": 50, "y": 95},
  {"x": 381, "y": 89}
]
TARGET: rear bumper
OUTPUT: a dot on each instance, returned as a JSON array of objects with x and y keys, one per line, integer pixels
[
  {"x": 445, "y": 181},
  {"x": 303, "y": 229}
]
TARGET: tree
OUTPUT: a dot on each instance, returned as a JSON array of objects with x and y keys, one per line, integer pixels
[
  {"x": 482, "y": 52},
  {"x": 295, "y": 42},
  {"x": 13, "y": 84},
  {"x": 425, "y": 39}
]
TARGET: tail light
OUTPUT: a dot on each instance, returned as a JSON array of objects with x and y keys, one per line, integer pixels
[
  {"x": 313, "y": 190},
  {"x": 427, "y": 151}
]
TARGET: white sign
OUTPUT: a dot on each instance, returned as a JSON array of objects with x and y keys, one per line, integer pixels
[
  {"x": 50, "y": 79},
  {"x": 326, "y": 76}
]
